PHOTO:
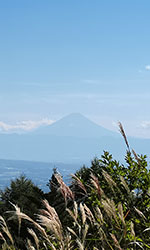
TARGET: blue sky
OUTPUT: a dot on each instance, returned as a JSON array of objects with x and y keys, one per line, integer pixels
[{"x": 63, "y": 56}]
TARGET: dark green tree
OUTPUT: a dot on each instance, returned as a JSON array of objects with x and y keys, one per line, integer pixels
[
  {"x": 24, "y": 193},
  {"x": 28, "y": 197}
]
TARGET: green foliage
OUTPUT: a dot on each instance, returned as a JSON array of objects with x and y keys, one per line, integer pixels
[
  {"x": 106, "y": 207},
  {"x": 135, "y": 174},
  {"x": 23, "y": 193},
  {"x": 127, "y": 184}
]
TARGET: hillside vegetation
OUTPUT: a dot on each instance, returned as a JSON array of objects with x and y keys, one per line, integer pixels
[{"x": 106, "y": 207}]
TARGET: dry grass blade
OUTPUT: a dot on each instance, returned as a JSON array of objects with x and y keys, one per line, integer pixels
[
  {"x": 85, "y": 231},
  {"x": 110, "y": 209},
  {"x": 72, "y": 231},
  {"x": 17, "y": 213},
  {"x": 132, "y": 229},
  {"x": 52, "y": 225},
  {"x": 136, "y": 156},
  {"x": 124, "y": 184},
  {"x": 107, "y": 208},
  {"x": 140, "y": 213},
  {"x": 34, "y": 237},
  {"x": 29, "y": 245},
  {"x": 75, "y": 209},
  {"x": 64, "y": 189},
  {"x": 89, "y": 214},
  {"x": 26, "y": 217},
  {"x": 2, "y": 237},
  {"x": 99, "y": 214},
  {"x": 68, "y": 243},
  {"x": 136, "y": 243},
  {"x": 45, "y": 247},
  {"x": 5, "y": 229},
  {"x": 79, "y": 182},
  {"x": 121, "y": 215},
  {"x": 83, "y": 215},
  {"x": 71, "y": 214},
  {"x": 109, "y": 180},
  {"x": 74, "y": 218},
  {"x": 95, "y": 182},
  {"x": 123, "y": 134},
  {"x": 51, "y": 245},
  {"x": 116, "y": 243},
  {"x": 81, "y": 246},
  {"x": 49, "y": 219},
  {"x": 50, "y": 212}
]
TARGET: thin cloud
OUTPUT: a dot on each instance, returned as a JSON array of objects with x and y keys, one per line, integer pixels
[
  {"x": 24, "y": 125},
  {"x": 147, "y": 67},
  {"x": 145, "y": 124},
  {"x": 115, "y": 124}
]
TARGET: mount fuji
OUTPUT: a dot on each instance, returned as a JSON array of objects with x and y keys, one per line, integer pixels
[
  {"x": 72, "y": 139},
  {"x": 75, "y": 125}
]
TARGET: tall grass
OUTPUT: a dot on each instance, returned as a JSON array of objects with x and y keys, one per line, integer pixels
[
  {"x": 97, "y": 221},
  {"x": 102, "y": 227}
]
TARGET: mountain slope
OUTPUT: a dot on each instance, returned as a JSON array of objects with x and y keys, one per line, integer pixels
[
  {"x": 75, "y": 125},
  {"x": 72, "y": 139}
]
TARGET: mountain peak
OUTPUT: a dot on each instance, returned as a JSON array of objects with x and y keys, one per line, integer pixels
[
  {"x": 74, "y": 118},
  {"x": 75, "y": 125}
]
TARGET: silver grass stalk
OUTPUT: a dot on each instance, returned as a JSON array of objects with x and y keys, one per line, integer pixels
[
  {"x": 140, "y": 213},
  {"x": 79, "y": 182},
  {"x": 68, "y": 242},
  {"x": 64, "y": 189},
  {"x": 85, "y": 231},
  {"x": 26, "y": 217},
  {"x": 49, "y": 219},
  {"x": 124, "y": 184},
  {"x": 135, "y": 156},
  {"x": 121, "y": 215},
  {"x": 116, "y": 243},
  {"x": 52, "y": 246},
  {"x": 81, "y": 246},
  {"x": 123, "y": 134},
  {"x": 33, "y": 234},
  {"x": 52, "y": 214},
  {"x": 110, "y": 209},
  {"x": 17, "y": 213},
  {"x": 99, "y": 214},
  {"x": 132, "y": 229},
  {"x": 109, "y": 180},
  {"x": 52, "y": 225},
  {"x": 94, "y": 180},
  {"x": 89, "y": 214},
  {"x": 83, "y": 215},
  {"x": 72, "y": 231},
  {"x": 72, "y": 215},
  {"x": 29, "y": 245},
  {"x": 2, "y": 237},
  {"x": 75, "y": 210},
  {"x": 45, "y": 246},
  {"x": 5, "y": 229}
]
